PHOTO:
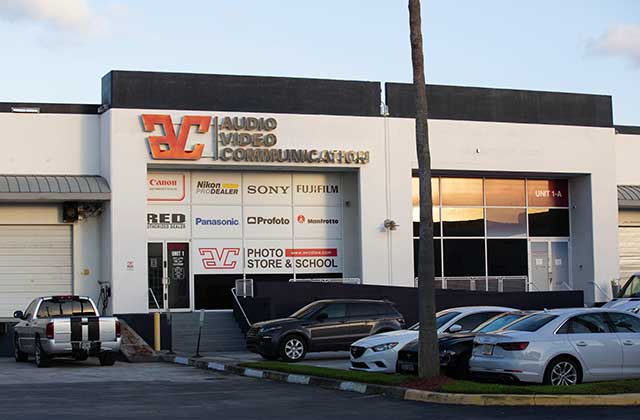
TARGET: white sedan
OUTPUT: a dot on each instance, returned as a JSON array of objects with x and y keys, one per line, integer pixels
[
  {"x": 562, "y": 347},
  {"x": 379, "y": 353}
]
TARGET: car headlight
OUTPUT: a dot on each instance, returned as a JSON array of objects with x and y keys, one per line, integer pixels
[
  {"x": 265, "y": 330},
  {"x": 384, "y": 347}
]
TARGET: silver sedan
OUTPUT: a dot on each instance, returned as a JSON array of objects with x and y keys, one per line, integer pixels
[{"x": 562, "y": 347}]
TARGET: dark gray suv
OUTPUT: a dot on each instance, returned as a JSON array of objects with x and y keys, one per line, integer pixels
[{"x": 324, "y": 325}]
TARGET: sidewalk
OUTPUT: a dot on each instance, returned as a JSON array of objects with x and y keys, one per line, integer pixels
[{"x": 335, "y": 360}]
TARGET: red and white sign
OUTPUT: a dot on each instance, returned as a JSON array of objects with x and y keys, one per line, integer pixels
[
  {"x": 217, "y": 256},
  {"x": 317, "y": 222},
  {"x": 316, "y": 256},
  {"x": 166, "y": 187}
]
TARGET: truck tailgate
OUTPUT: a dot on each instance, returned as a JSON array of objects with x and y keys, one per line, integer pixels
[{"x": 85, "y": 329}]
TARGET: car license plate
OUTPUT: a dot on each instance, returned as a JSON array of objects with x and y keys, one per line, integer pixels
[
  {"x": 407, "y": 367},
  {"x": 486, "y": 349}
]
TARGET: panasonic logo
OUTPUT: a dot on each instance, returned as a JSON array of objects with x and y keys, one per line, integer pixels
[
  {"x": 216, "y": 222},
  {"x": 259, "y": 220}
]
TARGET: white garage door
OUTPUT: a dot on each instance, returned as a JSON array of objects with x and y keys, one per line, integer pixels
[
  {"x": 629, "y": 251},
  {"x": 35, "y": 260}
]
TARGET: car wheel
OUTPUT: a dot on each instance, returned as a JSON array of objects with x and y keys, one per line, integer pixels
[
  {"x": 42, "y": 359},
  {"x": 563, "y": 371},
  {"x": 293, "y": 348},
  {"x": 20, "y": 355},
  {"x": 106, "y": 358}
]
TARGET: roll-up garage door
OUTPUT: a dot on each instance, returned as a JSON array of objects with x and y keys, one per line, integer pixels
[
  {"x": 35, "y": 260},
  {"x": 629, "y": 251}
]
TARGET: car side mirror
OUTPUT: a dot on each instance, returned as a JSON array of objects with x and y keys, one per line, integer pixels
[
  {"x": 322, "y": 316},
  {"x": 18, "y": 314},
  {"x": 455, "y": 328}
]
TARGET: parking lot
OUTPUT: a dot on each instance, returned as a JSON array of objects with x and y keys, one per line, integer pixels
[{"x": 73, "y": 390}]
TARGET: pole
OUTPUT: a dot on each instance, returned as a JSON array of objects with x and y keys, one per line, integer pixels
[
  {"x": 170, "y": 331},
  {"x": 156, "y": 331},
  {"x": 200, "y": 332}
]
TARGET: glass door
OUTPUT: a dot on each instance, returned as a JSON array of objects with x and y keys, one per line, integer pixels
[
  {"x": 169, "y": 276},
  {"x": 549, "y": 262},
  {"x": 178, "y": 275}
]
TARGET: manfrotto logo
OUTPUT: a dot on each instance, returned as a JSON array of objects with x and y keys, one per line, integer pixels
[
  {"x": 219, "y": 258},
  {"x": 171, "y": 146},
  {"x": 318, "y": 221},
  {"x": 259, "y": 220}
]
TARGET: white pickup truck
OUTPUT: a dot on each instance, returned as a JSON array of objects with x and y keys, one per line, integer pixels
[{"x": 65, "y": 326}]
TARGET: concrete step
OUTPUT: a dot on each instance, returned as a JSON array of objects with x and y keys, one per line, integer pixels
[{"x": 220, "y": 332}]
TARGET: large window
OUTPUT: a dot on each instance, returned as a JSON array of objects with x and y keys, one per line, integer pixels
[{"x": 482, "y": 225}]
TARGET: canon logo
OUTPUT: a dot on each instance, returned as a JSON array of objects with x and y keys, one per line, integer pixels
[
  {"x": 163, "y": 182},
  {"x": 259, "y": 220}
]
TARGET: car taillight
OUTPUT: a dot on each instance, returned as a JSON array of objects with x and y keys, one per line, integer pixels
[
  {"x": 118, "y": 329},
  {"x": 49, "y": 331},
  {"x": 519, "y": 346}
]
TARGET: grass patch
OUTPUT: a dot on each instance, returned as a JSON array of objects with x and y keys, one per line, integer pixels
[
  {"x": 343, "y": 375},
  {"x": 454, "y": 386},
  {"x": 594, "y": 388}
]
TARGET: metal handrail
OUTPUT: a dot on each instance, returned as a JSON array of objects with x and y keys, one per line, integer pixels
[
  {"x": 246, "y": 318},
  {"x": 154, "y": 298},
  {"x": 604, "y": 292}
]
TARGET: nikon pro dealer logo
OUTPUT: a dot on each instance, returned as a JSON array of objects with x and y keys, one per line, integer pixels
[{"x": 205, "y": 187}]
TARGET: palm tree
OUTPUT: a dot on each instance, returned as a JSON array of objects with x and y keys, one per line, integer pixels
[{"x": 428, "y": 357}]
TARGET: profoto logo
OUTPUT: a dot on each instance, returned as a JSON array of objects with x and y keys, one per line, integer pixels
[
  {"x": 320, "y": 221},
  {"x": 259, "y": 220},
  {"x": 219, "y": 258},
  {"x": 171, "y": 146}
]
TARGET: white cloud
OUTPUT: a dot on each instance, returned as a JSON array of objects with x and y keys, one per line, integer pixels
[
  {"x": 619, "y": 40},
  {"x": 65, "y": 16}
]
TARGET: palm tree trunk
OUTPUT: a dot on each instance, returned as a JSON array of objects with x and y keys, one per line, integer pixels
[{"x": 428, "y": 357}]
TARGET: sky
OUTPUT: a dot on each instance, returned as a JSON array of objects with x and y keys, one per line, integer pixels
[{"x": 57, "y": 50}]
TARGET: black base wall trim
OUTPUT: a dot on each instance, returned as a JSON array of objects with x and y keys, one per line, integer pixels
[{"x": 143, "y": 325}]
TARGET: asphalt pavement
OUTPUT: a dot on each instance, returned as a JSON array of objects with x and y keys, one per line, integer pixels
[{"x": 72, "y": 390}]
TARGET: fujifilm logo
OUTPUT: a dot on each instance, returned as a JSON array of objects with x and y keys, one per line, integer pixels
[
  {"x": 259, "y": 220},
  {"x": 216, "y": 222}
]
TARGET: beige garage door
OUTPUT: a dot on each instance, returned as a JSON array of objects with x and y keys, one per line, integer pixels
[
  {"x": 35, "y": 260},
  {"x": 629, "y": 251}
]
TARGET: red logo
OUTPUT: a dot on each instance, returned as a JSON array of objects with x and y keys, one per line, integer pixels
[
  {"x": 171, "y": 146},
  {"x": 301, "y": 218},
  {"x": 218, "y": 259}
]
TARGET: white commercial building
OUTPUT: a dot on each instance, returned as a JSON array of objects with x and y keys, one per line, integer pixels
[{"x": 193, "y": 181}]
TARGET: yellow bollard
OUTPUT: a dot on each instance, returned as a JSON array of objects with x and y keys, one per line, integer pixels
[{"x": 156, "y": 331}]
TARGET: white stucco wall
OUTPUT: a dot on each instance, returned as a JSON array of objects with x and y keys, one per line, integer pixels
[
  {"x": 51, "y": 144},
  {"x": 627, "y": 153}
]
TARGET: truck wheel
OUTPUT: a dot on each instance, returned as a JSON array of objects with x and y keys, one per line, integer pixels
[
  {"x": 42, "y": 359},
  {"x": 20, "y": 355},
  {"x": 107, "y": 358}
]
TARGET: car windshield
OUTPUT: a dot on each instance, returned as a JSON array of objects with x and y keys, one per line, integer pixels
[
  {"x": 632, "y": 288},
  {"x": 495, "y": 323},
  {"x": 441, "y": 319},
  {"x": 56, "y": 308},
  {"x": 532, "y": 323},
  {"x": 306, "y": 310}
]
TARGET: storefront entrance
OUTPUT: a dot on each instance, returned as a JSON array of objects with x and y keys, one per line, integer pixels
[
  {"x": 549, "y": 263},
  {"x": 169, "y": 275}
]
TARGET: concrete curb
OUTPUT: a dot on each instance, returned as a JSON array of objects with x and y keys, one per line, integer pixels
[{"x": 413, "y": 394}]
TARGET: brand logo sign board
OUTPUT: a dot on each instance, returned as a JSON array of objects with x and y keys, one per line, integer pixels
[
  {"x": 217, "y": 256},
  {"x": 316, "y": 256},
  {"x": 317, "y": 190},
  {"x": 167, "y": 187},
  {"x": 234, "y": 139},
  {"x": 168, "y": 222},
  {"x": 317, "y": 222},
  {"x": 267, "y": 222},
  {"x": 216, "y": 222},
  {"x": 268, "y": 256},
  {"x": 216, "y": 188},
  {"x": 266, "y": 189}
]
